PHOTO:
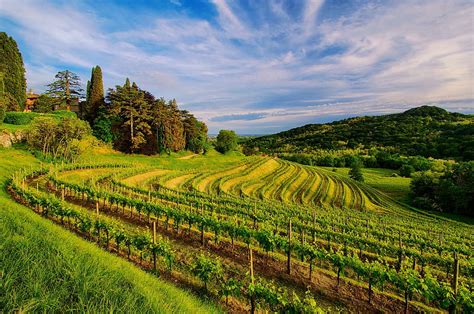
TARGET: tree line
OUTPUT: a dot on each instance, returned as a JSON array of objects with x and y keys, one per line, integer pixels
[
  {"x": 451, "y": 191},
  {"x": 427, "y": 131}
]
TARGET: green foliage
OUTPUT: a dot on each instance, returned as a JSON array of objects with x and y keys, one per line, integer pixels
[
  {"x": 44, "y": 268},
  {"x": 450, "y": 192},
  {"x": 142, "y": 124},
  {"x": 66, "y": 88},
  {"x": 406, "y": 170},
  {"x": 206, "y": 268},
  {"x": 356, "y": 172},
  {"x": 20, "y": 118},
  {"x": 44, "y": 104},
  {"x": 95, "y": 96},
  {"x": 128, "y": 105},
  {"x": 3, "y": 111},
  {"x": 102, "y": 126},
  {"x": 58, "y": 138},
  {"x": 226, "y": 141},
  {"x": 195, "y": 132},
  {"x": 12, "y": 71},
  {"x": 426, "y": 131},
  {"x": 24, "y": 118}
]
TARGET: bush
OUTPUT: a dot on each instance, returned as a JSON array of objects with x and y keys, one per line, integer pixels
[
  {"x": 58, "y": 138},
  {"x": 63, "y": 114},
  {"x": 406, "y": 170},
  {"x": 23, "y": 118},
  {"x": 20, "y": 118},
  {"x": 44, "y": 104}
]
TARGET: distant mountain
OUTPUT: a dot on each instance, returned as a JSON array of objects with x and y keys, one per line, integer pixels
[{"x": 428, "y": 131}]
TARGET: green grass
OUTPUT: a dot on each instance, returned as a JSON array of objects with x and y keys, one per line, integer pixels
[
  {"x": 44, "y": 268},
  {"x": 12, "y": 127},
  {"x": 382, "y": 179}
]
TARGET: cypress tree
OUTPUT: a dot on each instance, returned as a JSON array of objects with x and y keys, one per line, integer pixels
[
  {"x": 95, "y": 95},
  {"x": 11, "y": 65}
]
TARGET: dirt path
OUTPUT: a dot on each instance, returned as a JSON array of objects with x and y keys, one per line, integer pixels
[{"x": 188, "y": 157}]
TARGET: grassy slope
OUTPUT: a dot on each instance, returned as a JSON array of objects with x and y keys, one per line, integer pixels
[
  {"x": 45, "y": 268},
  {"x": 12, "y": 127},
  {"x": 381, "y": 179}
]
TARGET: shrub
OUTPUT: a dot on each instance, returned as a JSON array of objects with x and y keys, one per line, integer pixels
[
  {"x": 58, "y": 138},
  {"x": 406, "y": 170},
  {"x": 20, "y": 118},
  {"x": 44, "y": 104},
  {"x": 23, "y": 118}
]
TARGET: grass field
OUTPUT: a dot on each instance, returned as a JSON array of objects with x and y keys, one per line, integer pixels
[
  {"x": 222, "y": 206},
  {"x": 382, "y": 179},
  {"x": 44, "y": 268}
]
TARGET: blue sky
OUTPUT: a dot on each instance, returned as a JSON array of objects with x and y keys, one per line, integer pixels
[{"x": 259, "y": 66}]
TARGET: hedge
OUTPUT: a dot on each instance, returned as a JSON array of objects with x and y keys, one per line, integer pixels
[{"x": 22, "y": 118}]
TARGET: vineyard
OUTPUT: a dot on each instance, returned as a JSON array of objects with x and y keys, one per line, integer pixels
[{"x": 260, "y": 233}]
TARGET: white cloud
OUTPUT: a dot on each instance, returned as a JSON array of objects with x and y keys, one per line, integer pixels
[{"x": 271, "y": 60}]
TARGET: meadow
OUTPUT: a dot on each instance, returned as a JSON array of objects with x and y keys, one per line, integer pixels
[{"x": 272, "y": 234}]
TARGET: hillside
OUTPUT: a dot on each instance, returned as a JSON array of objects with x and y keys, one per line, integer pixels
[
  {"x": 44, "y": 268},
  {"x": 427, "y": 131}
]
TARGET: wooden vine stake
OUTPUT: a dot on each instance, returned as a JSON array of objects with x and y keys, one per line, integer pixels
[
  {"x": 97, "y": 207},
  {"x": 288, "y": 262},
  {"x": 455, "y": 282},
  {"x": 154, "y": 232},
  {"x": 251, "y": 266},
  {"x": 252, "y": 280}
]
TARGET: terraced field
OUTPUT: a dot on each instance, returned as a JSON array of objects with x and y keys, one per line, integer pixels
[
  {"x": 278, "y": 180},
  {"x": 308, "y": 228}
]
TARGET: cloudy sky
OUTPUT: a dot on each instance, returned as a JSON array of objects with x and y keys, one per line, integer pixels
[{"x": 259, "y": 66}]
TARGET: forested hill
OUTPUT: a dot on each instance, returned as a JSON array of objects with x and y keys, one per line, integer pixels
[{"x": 427, "y": 131}]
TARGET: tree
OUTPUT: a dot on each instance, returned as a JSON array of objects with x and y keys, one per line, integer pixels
[
  {"x": 356, "y": 171},
  {"x": 13, "y": 70},
  {"x": 406, "y": 170},
  {"x": 127, "y": 103},
  {"x": 2, "y": 99},
  {"x": 102, "y": 126},
  {"x": 195, "y": 132},
  {"x": 44, "y": 104},
  {"x": 174, "y": 130},
  {"x": 226, "y": 141},
  {"x": 94, "y": 96},
  {"x": 66, "y": 87}
]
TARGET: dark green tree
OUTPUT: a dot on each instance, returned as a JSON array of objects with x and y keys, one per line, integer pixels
[
  {"x": 102, "y": 128},
  {"x": 44, "y": 104},
  {"x": 66, "y": 88},
  {"x": 406, "y": 170},
  {"x": 226, "y": 141},
  {"x": 94, "y": 95},
  {"x": 195, "y": 132},
  {"x": 11, "y": 65},
  {"x": 2, "y": 99},
  {"x": 356, "y": 171},
  {"x": 128, "y": 104}
]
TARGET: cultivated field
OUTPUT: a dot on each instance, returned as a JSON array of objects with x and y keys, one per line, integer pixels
[{"x": 305, "y": 228}]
